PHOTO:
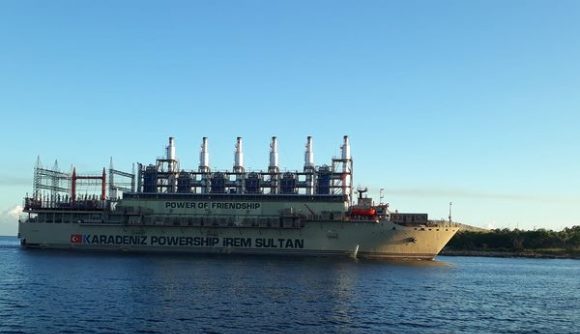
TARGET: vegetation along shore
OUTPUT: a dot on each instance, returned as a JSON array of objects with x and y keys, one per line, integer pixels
[{"x": 539, "y": 243}]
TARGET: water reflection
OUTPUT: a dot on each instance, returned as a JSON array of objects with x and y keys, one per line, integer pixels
[{"x": 408, "y": 262}]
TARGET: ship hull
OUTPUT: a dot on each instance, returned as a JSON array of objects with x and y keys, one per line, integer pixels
[{"x": 384, "y": 240}]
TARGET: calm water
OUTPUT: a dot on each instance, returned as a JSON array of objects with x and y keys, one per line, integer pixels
[{"x": 54, "y": 291}]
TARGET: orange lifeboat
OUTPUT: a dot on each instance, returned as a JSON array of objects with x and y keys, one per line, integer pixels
[{"x": 366, "y": 212}]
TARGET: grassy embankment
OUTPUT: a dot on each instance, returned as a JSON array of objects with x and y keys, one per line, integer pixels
[{"x": 509, "y": 243}]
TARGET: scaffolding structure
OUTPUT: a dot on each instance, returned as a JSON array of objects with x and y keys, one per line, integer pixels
[
  {"x": 49, "y": 184},
  {"x": 55, "y": 189},
  {"x": 116, "y": 187}
]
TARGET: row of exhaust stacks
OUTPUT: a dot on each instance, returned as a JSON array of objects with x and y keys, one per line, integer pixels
[
  {"x": 168, "y": 168},
  {"x": 239, "y": 155}
]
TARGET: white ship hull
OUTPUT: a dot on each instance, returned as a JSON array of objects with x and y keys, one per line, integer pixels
[{"x": 383, "y": 240}]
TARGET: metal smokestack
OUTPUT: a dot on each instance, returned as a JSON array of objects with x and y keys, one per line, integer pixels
[
  {"x": 309, "y": 166},
  {"x": 204, "y": 157},
  {"x": 345, "y": 148},
  {"x": 172, "y": 165},
  {"x": 170, "y": 149},
  {"x": 239, "y": 157},
  {"x": 170, "y": 156},
  {"x": 274, "y": 167},
  {"x": 346, "y": 167},
  {"x": 309, "y": 155}
]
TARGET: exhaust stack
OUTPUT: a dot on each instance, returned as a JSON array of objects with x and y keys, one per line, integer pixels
[
  {"x": 239, "y": 157},
  {"x": 346, "y": 161},
  {"x": 309, "y": 155},
  {"x": 309, "y": 166},
  {"x": 170, "y": 149},
  {"x": 345, "y": 148},
  {"x": 204, "y": 157},
  {"x": 274, "y": 167},
  {"x": 172, "y": 165}
]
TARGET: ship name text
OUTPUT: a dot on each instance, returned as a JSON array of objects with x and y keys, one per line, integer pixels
[{"x": 184, "y": 241}]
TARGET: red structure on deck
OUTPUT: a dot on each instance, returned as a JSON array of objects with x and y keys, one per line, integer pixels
[{"x": 75, "y": 177}]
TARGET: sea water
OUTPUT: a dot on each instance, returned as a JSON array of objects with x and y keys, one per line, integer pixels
[{"x": 47, "y": 291}]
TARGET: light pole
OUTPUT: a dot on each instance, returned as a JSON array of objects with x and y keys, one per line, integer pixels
[{"x": 450, "y": 204}]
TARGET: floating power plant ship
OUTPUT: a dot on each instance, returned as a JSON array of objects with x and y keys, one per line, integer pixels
[{"x": 163, "y": 208}]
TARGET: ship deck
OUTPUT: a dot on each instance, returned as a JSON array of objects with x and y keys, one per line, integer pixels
[{"x": 237, "y": 197}]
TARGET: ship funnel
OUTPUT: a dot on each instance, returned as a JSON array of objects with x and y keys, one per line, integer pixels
[
  {"x": 273, "y": 154},
  {"x": 309, "y": 155},
  {"x": 345, "y": 148},
  {"x": 239, "y": 157},
  {"x": 171, "y": 149},
  {"x": 204, "y": 157}
]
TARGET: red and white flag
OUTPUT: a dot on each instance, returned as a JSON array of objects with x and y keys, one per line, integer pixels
[{"x": 76, "y": 238}]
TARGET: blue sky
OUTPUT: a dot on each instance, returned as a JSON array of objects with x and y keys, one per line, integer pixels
[{"x": 474, "y": 102}]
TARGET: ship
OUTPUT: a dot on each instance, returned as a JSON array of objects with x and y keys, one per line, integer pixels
[{"x": 161, "y": 207}]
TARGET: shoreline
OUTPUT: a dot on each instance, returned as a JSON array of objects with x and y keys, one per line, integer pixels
[{"x": 522, "y": 254}]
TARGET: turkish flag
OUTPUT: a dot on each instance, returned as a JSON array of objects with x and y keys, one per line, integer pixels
[{"x": 76, "y": 238}]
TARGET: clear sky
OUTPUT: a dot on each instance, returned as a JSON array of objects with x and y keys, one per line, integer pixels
[{"x": 474, "y": 102}]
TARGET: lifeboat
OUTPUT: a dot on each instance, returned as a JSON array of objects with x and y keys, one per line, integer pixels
[{"x": 366, "y": 212}]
